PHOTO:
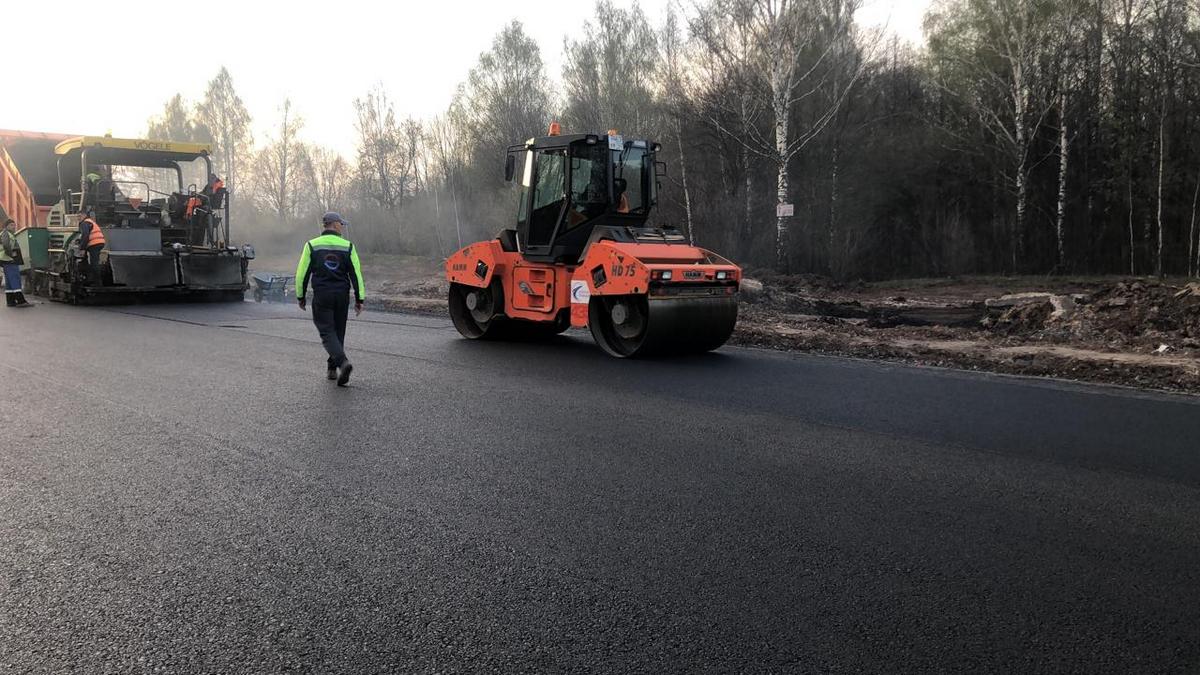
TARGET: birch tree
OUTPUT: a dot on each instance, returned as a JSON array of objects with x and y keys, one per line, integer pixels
[
  {"x": 998, "y": 56},
  {"x": 794, "y": 47},
  {"x": 1169, "y": 26},
  {"x": 675, "y": 87}
]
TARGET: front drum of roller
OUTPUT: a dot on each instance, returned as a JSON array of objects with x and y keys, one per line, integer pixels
[{"x": 635, "y": 325}]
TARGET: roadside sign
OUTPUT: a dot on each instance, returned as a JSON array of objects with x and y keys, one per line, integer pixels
[{"x": 785, "y": 210}]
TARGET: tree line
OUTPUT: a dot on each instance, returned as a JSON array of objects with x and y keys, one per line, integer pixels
[{"x": 1024, "y": 137}]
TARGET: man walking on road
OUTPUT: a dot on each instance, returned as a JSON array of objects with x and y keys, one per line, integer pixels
[{"x": 331, "y": 263}]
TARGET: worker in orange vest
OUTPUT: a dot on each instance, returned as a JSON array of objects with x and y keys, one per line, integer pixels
[
  {"x": 215, "y": 191},
  {"x": 91, "y": 242},
  {"x": 211, "y": 196},
  {"x": 193, "y": 203}
]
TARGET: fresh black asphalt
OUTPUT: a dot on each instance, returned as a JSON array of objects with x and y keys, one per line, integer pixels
[{"x": 182, "y": 490}]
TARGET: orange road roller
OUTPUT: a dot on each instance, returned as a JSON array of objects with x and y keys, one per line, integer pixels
[{"x": 583, "y": 255}]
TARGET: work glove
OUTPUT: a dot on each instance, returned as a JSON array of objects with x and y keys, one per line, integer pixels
[
  {"x": 358, "y": 308},
  {"x": 303, "y": 302}
]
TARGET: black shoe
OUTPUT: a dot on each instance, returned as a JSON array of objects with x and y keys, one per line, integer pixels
[
  {"x": 344, "y": 375},
  {"x": 21, "y": 301},
  {"x": 332, "y": 374}
]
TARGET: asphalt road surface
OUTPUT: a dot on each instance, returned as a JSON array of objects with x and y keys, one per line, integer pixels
[{"x": 181, "y": 490}]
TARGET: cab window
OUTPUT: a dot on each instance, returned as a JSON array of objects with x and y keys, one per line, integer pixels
[
  {"x": 589, "y": 184},
  {"x": 631, "y": 173},
  {"x": 549, "y": 194}
]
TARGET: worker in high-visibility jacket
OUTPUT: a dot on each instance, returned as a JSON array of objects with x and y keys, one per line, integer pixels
[
  {"x": 331, "y": 264},
  {"x": 10, "y": 257},
  {"x": 91, "y": 242}
]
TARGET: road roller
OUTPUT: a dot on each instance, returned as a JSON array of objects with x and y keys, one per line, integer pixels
[{"x": 583, "y": 254}]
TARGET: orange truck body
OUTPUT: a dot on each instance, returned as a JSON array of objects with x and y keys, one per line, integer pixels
[{"x": 16, "y": 198}]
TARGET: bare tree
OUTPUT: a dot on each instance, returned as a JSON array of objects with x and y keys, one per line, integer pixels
[
  {"x": 447, "y": 153},
  {"x": 412, "y": 136},
  {"x": 380, "y": 158},
  {"x": 223, "y": 112},
  {"x": 177, "y": 123},
  {"x": 331, "y": 176},
  {"x": 607, "y": 75},
  {"x": 729, "y": 100},
  {"x": 281, "y": 168}
]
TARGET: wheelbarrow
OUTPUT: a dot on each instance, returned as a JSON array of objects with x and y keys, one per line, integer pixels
[{"x": 271, "y": 287}]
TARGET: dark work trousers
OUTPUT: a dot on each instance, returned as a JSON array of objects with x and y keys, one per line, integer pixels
[
  {"x": 329, "y": 312},
  {"x": 93, "y": 255}
]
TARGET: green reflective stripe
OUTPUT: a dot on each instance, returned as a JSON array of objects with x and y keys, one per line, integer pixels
[
  {"x": 302, "y": 271},
  {"x": 360, "y": 288},
  {"x": 330, "y": 241}
]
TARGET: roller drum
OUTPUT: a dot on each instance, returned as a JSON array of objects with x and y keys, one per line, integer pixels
[{"x": 631, "y": 326}]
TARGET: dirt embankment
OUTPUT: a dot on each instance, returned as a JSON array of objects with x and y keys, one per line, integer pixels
[
  {"x": 1143, "y": 333},
  {"x": 1137, "y": 332}
]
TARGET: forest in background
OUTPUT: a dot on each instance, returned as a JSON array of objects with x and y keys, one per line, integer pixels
[{"x": 1024, "y": 137}]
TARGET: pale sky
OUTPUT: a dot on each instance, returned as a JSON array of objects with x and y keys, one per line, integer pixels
[{"x": 133, "y": 55}]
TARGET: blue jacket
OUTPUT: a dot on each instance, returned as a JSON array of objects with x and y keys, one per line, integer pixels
[{"x": 331, "y": 263}]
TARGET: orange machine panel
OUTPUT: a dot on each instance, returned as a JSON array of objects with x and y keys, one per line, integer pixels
[
  {"x": 613, "y": 269},
  {"x": 477, "y": 264},
  {"x": 533, "y": 288},
  {"x": 536, "y": 292}
]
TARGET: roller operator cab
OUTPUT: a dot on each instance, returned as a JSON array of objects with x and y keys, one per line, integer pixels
[
  {"x": 582, "y": 254},
  {"x": 164, "y": 216}
]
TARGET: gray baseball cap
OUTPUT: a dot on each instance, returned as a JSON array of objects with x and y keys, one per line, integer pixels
[{"x": 334, "y": 217}]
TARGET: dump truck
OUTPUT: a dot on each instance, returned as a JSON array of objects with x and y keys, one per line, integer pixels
[
  {"x": 583, "y": 254},
  {"x": 164, "y": 218}
]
